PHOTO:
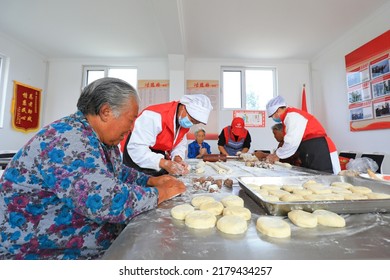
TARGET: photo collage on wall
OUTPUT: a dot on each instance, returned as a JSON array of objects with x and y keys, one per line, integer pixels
[{"x": 368, "y": 85}]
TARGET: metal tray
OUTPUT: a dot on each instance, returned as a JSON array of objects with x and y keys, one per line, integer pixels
[{"x": 340, "y": 206}]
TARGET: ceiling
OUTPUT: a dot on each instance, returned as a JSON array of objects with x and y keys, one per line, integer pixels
[{"x": 238, "y": 29}]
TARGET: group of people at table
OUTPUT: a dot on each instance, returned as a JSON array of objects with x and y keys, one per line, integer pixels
[{"x": 69, "y": 191}]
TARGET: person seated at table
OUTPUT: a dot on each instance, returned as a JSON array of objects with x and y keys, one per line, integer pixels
[
  {"x": 277, "y": 130},
  {"x": 66, "y": 194},
  {"x": 234, "y": 138},
  {"x": 198, "y": 148}
]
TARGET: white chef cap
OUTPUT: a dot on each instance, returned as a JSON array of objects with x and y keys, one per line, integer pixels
[
  {"x": 198, "y": 106},
  {"x": 274, "y": 104}
]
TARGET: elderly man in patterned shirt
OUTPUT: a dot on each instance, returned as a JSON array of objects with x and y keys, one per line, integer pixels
[{"x": 66, "y": 193}]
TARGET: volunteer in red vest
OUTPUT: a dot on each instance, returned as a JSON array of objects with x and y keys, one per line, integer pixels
[
  {"x": 304, "y": 134},
  {"x": 234, "y": 138},
  {"x": 157, "y": 145}
]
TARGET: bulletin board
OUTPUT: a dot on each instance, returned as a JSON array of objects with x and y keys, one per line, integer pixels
[
  {"x": 152, "y": 92},
  {"x": 209, "y": 88},
  {"x": 368, "y": 84}
]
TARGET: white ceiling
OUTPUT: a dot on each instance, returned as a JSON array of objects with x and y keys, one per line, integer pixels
[{"x": 271, "y": 29}]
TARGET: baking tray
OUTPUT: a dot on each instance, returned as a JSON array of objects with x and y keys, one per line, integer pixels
[{"x": 339, "y": 206}]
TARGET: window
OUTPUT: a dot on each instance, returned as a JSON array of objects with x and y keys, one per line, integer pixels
[
  {"x": 4, "y": 64},
  {"x": 92, "y": 73},
  {"x": 247, "y": 88}
]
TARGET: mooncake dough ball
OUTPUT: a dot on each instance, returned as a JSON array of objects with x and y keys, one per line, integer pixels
[
  {"x": 270, "y": 187},
  {"x": 324, "y": 197},
  {"x": 214, "y": 207},
  {"x": 308, "y": 183},
  {"x": 199, "y": 170},
  {"x": 291, "y": 188},
  {"x": 319, "y": 188},
  {"x": 355, "y": 196},
  {"x": 329, "y": 219},
  {"x": 198, "y": 200},
  {"x": 232, "y": 224},
  {"x": 261, "y": 192},
  {"x": 340, "y": 190},
  {"x": 180, "y": 211},
  {"x": 253, "y": 187},
  {"x": 302, "y": 218},
  {"x": 360, "y": 189},
  {"x": 200, "y": 219},
  {"x": 373, "y": 195},
  {"x": 237, "y": 211},
  {"x": 291, "y": 197},
  {"x": 344, "y": 185},
  {"x": 302, "y": 192},
  {"x": 270, "y": 198},
  {"x": 232, "y": 200},
  {"x": 273, "y": 227},
  {"x": 278, "y": 193}
]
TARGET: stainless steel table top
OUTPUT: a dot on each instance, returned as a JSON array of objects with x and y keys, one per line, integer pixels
[{"x": 156, "y": 235}]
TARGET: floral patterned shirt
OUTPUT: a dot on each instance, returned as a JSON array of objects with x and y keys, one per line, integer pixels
[{"x": 64, "y": 194}]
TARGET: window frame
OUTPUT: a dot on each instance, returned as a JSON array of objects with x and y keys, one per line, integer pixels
[
  {"x": 242, "y": 70},
  {"x": 106, "y": 69},
  {"x": 4, "y": 66}
]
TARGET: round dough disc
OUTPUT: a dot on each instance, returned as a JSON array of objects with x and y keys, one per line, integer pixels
[
  {"x": 214, "y": 207},
  {"x": 328, "y": 218},
  {"x": 232, "y": 200},
  {"x": 302, "y": 218},
  {"x": 273, "y": 226},
  {"x": 180, "y": 211},
  {"x": 232, "y": 224},
  {"x": 200, "y": 219},
  {"x": 198, "y": 200},
  {"x": 237, "y": 211}
]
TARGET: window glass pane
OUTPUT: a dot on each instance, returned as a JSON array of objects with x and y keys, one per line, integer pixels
[
  {"x": 93, "y": 75},
  {"x": 127, "y": 74},
  {"x": 231, "y": 89},
  {"x": 259, "y": 86}
]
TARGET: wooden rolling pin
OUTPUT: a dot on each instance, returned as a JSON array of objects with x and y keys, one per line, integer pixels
[{"x": 217, "y": 157}]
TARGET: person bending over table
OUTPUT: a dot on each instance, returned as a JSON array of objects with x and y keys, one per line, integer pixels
[
  {"x": 305, "y": 135},
  {"x": 66, "y": 194},
  {"x": 158, "y": 143}
]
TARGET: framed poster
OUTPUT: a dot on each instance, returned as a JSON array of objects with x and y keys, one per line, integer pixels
[
  {"x": 26, "y": 107},
  {"x": 368, "y": 84},
  {"x": 252, "y": 118},
  {"x": 152, "y": 92}
]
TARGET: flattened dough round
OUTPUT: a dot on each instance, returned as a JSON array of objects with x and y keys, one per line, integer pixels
[
  {"x": 232, "y": 224},
  {"x": 360, "y": 189},
  {"x": 232, "y": 200},
  {"x": 200, "y": 219},
  {"x": 180, "y": 211},
  {"x": 329, "y": 219},
  {"x": 344, "y": 185},
  {"x": 214, "y": 207},
  {"x": 273, "y": 226},
  {"x": 237, "y": 211},
  {"x": 302, "y": 218},
  {"x": 198, "y": 200}
]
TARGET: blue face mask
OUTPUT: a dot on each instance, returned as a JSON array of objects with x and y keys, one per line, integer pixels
[
  {"x": 278, "y": 120},
  {"x": 185, "y": 122}
]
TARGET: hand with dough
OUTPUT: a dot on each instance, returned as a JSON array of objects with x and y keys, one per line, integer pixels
[{"x": 167, "y": 187}]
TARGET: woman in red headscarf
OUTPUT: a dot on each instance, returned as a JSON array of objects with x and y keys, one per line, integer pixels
[{"x": 234, "y": 138}]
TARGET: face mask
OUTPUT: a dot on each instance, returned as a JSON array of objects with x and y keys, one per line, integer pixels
[
  {"x": 278, "y": 120},
  {"x": 185, "y": 122}
]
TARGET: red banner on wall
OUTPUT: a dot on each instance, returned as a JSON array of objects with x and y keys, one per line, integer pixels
[{"x": 26, "y": 107}]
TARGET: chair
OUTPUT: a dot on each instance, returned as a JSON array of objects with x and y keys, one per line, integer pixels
[
  {"x": 5, "y": 158},
  {"x": 378, "y": 158},
  {"x": 348, "y": 154}
]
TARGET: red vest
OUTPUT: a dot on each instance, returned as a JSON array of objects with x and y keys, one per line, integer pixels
[
  {"x": 313, "y": 129},
  {"x": 165, "y": 140}
]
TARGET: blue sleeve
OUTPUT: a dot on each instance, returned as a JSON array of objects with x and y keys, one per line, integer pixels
[
  {"x": 192, "y": 151},
  {"x": 207, "y": 146}
]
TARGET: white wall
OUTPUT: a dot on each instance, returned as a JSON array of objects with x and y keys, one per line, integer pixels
[
  {"x": 27, "y": 67},
  {"x": 291, "y": 76},
  {"x": 329, "y": 88}
]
